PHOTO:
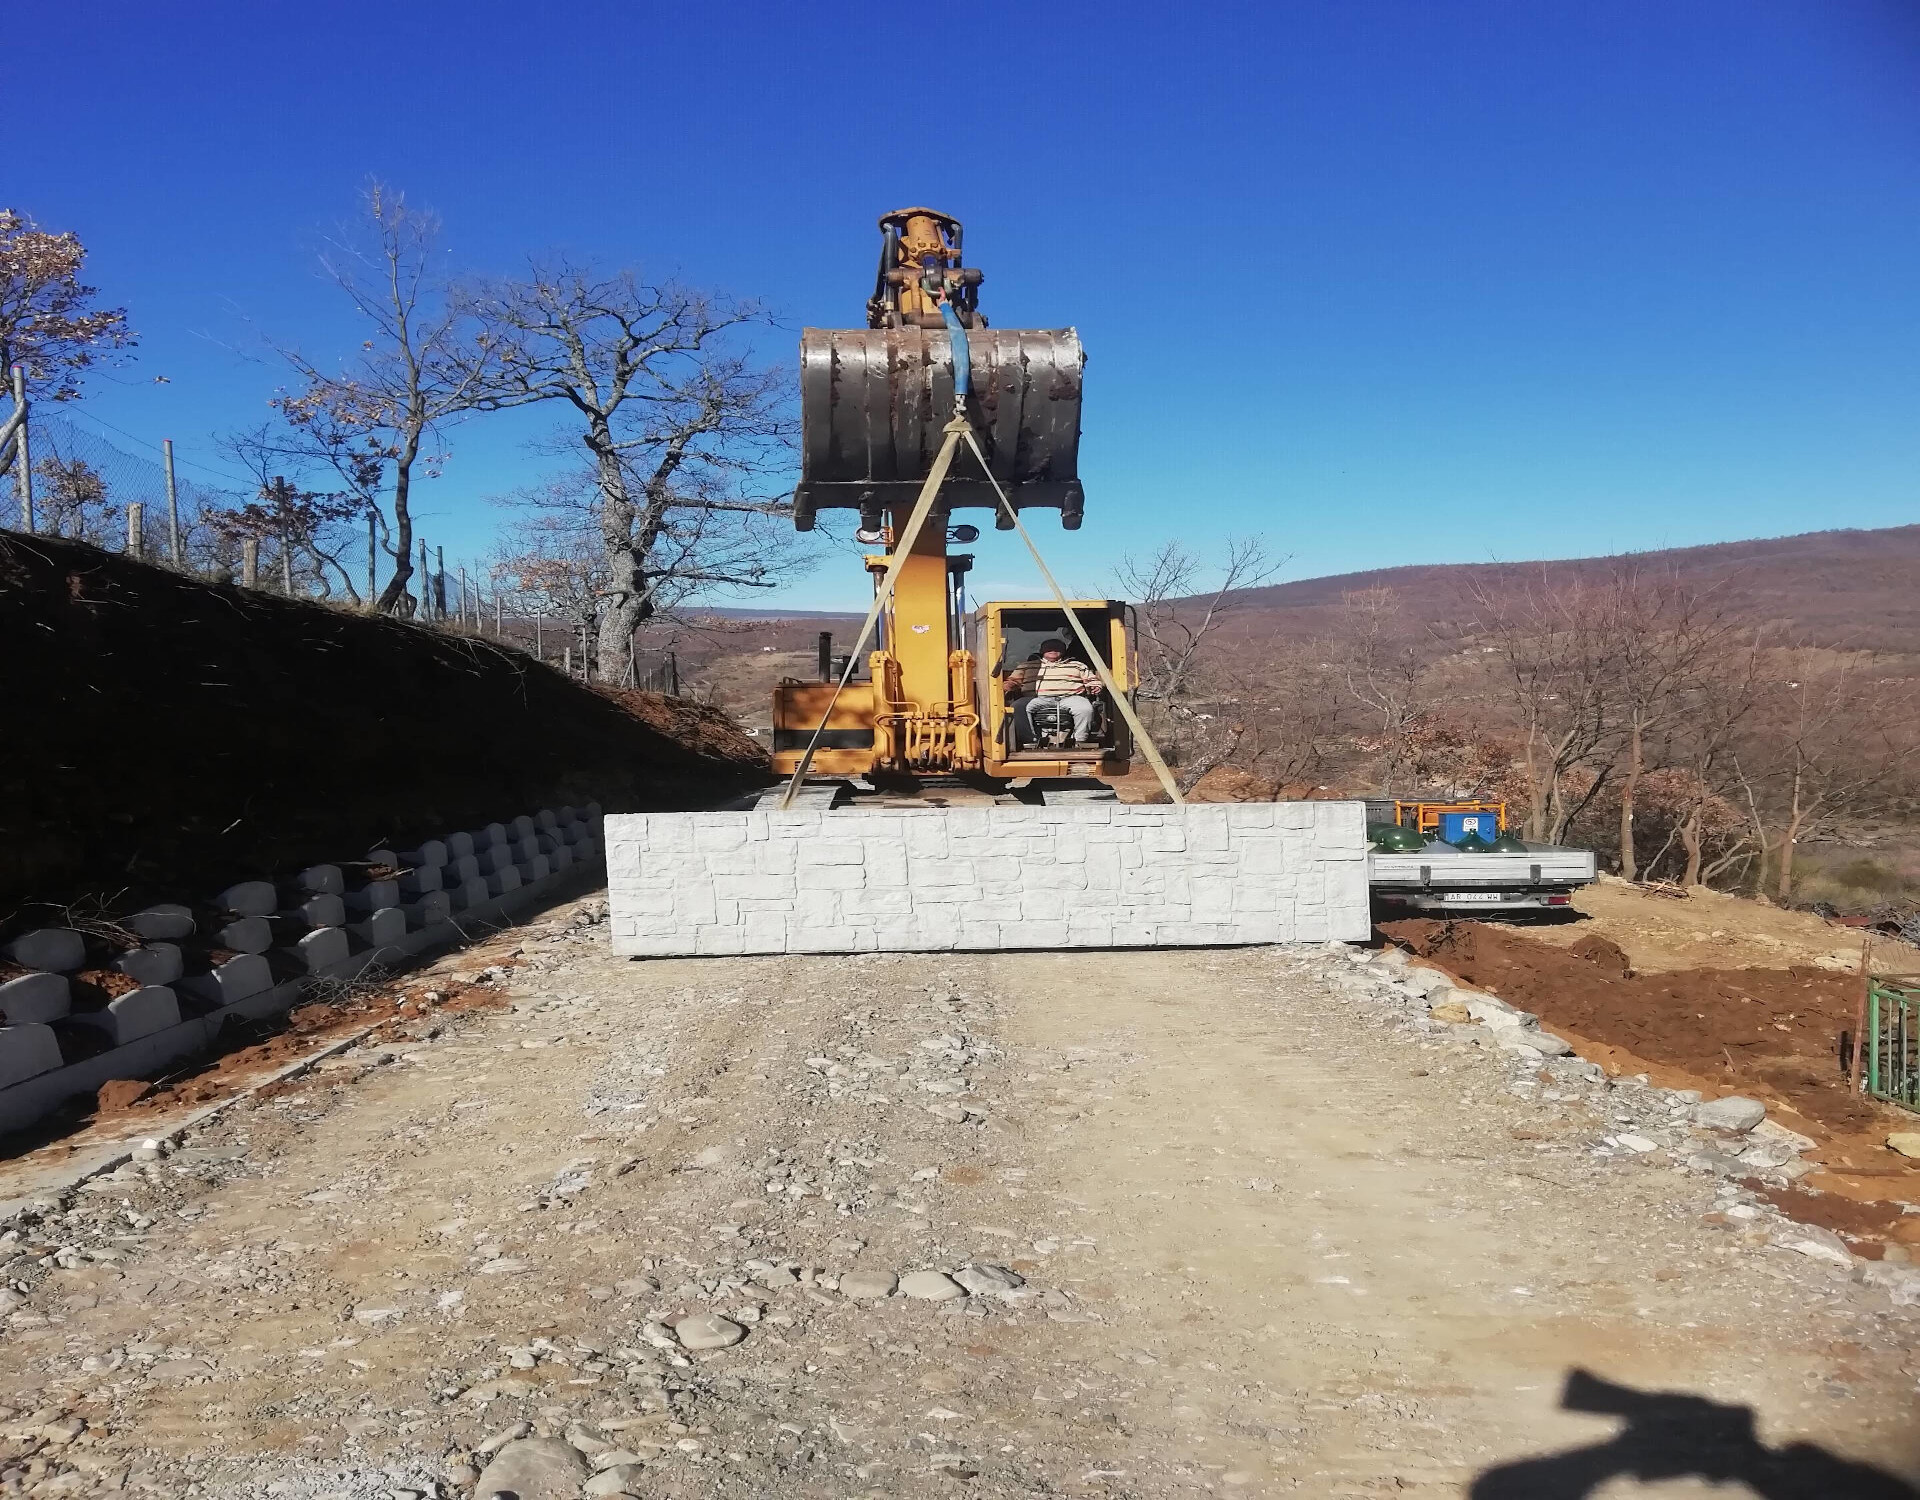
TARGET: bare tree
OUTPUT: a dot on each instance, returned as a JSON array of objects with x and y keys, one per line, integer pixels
[
  {"x": 317, "y": 528},
  {"x": 1831, "y": 740},
  {"x": 679, "y": 422},
  {"x": 48, "y": 321},
  {"x": 374, "y": 422},
  {"x": 1382, "y": 668},
  {"x": 551, "y": 553},
  {"x": 1719, "y": 701},
  {"x": 1556, "y": 640},
  {"x": 1668, "y": 640},
  {"x": 75, "y": 501},
  {"x": 1181, "y": 602}
]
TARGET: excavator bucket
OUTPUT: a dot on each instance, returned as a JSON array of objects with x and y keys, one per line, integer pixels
[{"x": 873, "y": 403}]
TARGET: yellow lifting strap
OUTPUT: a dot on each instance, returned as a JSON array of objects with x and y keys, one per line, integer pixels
[
  {"x": 903, "y": 544},
  {"x": 1140, "y": 735}
]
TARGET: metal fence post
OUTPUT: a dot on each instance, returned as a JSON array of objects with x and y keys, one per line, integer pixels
[
  {"x": 173, "y": 503},
  {"x": 22, "y": 452},
  {"x": 440, "y": 581},
  {"x": 539, "y": 645},
  {"x": 250, "y": 562},
  {"x": 136, "y": 527},
  {"x": 425, "y": 611},
  {"x": 373, "y": 561}
]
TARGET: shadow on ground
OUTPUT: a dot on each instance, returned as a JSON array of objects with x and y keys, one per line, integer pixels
[{"x": 1669, "y": 1435}]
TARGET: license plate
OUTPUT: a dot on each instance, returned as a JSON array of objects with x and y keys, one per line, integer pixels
[{"x": 1474, "y": 896}]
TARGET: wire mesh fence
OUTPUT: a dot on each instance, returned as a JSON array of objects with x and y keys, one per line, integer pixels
[{"x": 87, "y": 488}]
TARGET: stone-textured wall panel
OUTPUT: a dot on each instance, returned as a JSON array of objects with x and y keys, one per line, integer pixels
[{"x": 1097, "y": 875}]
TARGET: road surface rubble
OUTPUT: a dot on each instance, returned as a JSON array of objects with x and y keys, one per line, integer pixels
[{"x": 1253, "y": 1221}]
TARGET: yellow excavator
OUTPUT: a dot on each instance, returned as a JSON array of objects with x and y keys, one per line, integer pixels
[{"x": 937, "y": 705}]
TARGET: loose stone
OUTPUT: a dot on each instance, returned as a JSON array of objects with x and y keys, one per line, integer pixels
[{"x": 930, "y": 1286}]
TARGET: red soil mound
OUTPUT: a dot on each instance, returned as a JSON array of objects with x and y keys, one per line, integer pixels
[{"x": 1771, "y": 1032}]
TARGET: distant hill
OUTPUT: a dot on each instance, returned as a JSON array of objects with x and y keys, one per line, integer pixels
[
  {"x": 1858, "y": 589},
  {"x": 1841, "y": 588}
]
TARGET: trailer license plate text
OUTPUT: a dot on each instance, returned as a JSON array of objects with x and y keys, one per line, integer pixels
[{"x": 1474, "y": 896}]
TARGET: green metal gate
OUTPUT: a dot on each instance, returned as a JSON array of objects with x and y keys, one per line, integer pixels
[{"x": 1893, "y": 1043}]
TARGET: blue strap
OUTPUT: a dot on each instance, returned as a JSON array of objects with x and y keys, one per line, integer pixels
[{"x": 962, "y": 355}]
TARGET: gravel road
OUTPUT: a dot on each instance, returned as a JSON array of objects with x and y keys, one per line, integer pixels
[{"x": 1127, "y": 1224}]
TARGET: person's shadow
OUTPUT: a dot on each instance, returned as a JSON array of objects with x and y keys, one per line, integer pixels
[{"x": 1670, "y": 1435}]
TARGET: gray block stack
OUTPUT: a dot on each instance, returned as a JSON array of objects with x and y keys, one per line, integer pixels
[{"x": 317, "y": 924}]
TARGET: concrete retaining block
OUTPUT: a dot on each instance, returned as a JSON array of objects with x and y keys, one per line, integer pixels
[
  {"x": 322, "y": 947},
  {"x": 237, "y": 979},
  {"x": 560, "y": 857},
  {"x": 163, "y": 921},
  {"x": 495, "y": 857},
  {"x": 493, "y": 833},
  {"x": 521, "y": 827},
  {"x": 417, "y": 882},
  {"x": 430, "y": 854},
  {"x": 504, "y": 879},
  {"x": 35, "y": 998},
  {"x": 26, "y": 1051},
  {"x": 383, "y": 928},
  {"x": 525, "y": 848},
  {"x": 545, "y": 819},
  {"x": 469, "y": 893},
  {"x": 432, "y": 907},
  {"x": 328, "y": 910},
  {"x": 321, "y": 880},
  {"x": 138, "y": 1013},
  {"x": 1093, "y": 875},
  {"x": 459, "y": 845},
  {"x": 34, "y": 1081},
  {"x": 59, "y": 950},
  {"x": 375, "y": 895},
  {"x": 250, "y": 898},
  {"x": 156, "y": 963},
  {"x": 536, "y": 868},
  {"x": 247, "y": 935}
]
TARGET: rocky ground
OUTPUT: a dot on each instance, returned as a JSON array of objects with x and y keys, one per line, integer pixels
[{"x": 1256, "y": 1221}]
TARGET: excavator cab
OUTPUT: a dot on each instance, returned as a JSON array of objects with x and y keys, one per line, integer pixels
[{"x": 1020, "y": 744}]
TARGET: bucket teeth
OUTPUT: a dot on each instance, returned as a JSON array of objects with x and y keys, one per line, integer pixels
[{"x": 873, "y": 403}]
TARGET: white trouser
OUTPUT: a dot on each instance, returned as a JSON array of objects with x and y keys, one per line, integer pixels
[{"x": 1081, "y": 710}]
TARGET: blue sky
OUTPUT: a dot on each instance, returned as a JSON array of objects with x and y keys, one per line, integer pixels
[{"x": 1387, "y": 282}]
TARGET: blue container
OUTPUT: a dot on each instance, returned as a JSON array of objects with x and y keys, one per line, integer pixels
[{"x": 1455, "y": 826}]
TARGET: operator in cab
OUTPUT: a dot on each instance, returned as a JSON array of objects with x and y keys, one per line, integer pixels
[{"x": 1053, "y": 677}]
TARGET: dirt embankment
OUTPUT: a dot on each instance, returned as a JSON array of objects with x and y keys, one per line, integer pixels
[
  {"x": 1774, "y": 1031},
  {"x": 1772, "y": 1034},
  {"x": 168, "y": 736}
]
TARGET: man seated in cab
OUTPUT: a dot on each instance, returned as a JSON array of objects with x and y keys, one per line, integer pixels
[{"x": 1053, "y": 677}]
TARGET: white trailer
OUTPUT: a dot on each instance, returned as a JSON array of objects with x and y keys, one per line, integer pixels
[{"x": 1460, "y": 882}]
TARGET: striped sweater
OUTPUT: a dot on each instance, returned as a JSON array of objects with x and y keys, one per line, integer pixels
[{"x": 1059, "y": 679}]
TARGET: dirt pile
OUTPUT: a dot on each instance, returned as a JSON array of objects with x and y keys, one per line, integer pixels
[
  {"x": 168, "y": 736},
  {"x": 1771, "y": 1032}
]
